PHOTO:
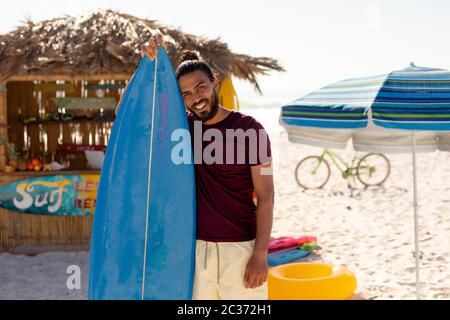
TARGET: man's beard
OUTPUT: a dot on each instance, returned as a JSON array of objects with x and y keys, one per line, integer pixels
[{"x": 214, "y": 104}]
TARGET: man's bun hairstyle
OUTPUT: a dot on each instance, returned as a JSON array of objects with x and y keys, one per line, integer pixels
[
  {"x": 188, "y": 55},
  {"x": 189, "y": 61}
]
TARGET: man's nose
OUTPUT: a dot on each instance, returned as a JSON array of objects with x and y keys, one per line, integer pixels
[{"x": 197, "y": 99}]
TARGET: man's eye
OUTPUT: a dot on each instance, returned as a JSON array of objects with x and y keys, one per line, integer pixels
[{"x": 185, "y": 95}]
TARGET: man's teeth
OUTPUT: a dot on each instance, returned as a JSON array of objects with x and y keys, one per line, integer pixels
[{"x": 200, "y": 106}]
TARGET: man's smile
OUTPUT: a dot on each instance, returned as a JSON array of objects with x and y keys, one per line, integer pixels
[{"x": 200, "y": 106}]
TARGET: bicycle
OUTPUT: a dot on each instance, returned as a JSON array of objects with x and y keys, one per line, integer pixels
[{"x": 313, "y": 172}]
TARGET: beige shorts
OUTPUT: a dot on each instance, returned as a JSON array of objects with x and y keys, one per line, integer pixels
[{"x": 220, "y": 269}]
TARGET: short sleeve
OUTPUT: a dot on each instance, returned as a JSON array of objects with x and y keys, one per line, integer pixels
[{"x": 259, "y": 152}]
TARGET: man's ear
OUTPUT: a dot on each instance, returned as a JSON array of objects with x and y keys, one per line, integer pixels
[{"x": 216, "y": 84}]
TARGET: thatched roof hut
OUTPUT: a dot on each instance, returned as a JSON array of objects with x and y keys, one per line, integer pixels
[{"x": 107, "y": 42}]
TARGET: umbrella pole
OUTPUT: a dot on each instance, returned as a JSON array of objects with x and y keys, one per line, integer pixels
[{"x": 416, "y": 224}]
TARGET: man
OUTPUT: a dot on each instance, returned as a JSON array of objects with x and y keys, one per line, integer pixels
[{"x": 232, "y": 232}]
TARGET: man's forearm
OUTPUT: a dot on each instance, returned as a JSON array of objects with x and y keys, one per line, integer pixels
[{"x": 264, "y": 220}]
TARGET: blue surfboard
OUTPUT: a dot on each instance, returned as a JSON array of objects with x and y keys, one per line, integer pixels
[{"x": 143, "y": 236}]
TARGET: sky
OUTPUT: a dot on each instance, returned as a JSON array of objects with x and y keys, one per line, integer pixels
[{"x": 317, "y": 42}]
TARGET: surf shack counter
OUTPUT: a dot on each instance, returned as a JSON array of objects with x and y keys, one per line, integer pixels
[
  {"x": 35, "y": 233},
  {"x": 52, "y": 119}
]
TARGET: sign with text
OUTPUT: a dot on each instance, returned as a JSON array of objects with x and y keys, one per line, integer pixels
[{"x": 59, "y": 195}]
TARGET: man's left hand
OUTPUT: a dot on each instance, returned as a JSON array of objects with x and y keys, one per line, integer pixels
[{"x": 256, "y": 272}]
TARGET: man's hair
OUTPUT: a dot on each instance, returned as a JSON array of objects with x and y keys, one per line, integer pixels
[{"x": 190, "y": 62}]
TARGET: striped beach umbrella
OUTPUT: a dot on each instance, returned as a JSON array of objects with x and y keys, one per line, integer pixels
[{"x": 402, "y": 111}]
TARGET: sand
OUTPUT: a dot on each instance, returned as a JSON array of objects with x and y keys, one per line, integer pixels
[
  {"x": 371, "y": 231},
  {"x": 43, "y": 276}
]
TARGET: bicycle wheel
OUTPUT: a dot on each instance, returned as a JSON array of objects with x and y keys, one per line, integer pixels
[
  {"x": 373, "y": 169},
  {"x": 312, "y": 172}
]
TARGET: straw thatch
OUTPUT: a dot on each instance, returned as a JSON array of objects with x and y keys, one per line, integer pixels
[{"x": 107, "y": 42}]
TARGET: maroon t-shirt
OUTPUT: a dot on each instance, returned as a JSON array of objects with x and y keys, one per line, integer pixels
[{"x": 225, "y": 208}]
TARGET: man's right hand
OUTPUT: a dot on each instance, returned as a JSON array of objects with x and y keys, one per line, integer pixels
[{"x": 150, "y": 48}]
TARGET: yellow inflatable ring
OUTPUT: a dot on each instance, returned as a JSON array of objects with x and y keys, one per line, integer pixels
[{"x": 310, "y": 281}]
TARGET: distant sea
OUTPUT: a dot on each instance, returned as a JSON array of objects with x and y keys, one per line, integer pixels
[{"x": 266, "y": 111}]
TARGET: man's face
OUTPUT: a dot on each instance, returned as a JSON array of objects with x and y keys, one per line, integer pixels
[{"x": 199, "y": 95}]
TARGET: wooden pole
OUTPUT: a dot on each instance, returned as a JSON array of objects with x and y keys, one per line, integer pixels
[{"x": 3, "y": 130}]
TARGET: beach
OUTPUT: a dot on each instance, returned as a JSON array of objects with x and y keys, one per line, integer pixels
[{"x": 369, "y": 230}]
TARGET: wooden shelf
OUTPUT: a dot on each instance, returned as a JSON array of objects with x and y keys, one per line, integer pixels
[{"x": 68, "y": 121}]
